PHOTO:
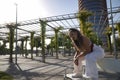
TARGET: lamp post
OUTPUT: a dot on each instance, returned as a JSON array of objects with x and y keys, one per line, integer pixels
[
  {"x": 113, "y": 32},
  {"x": 16, "y": 35}
]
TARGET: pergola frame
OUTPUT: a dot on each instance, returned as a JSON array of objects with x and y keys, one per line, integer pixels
[{"x": 66, "y": 21}]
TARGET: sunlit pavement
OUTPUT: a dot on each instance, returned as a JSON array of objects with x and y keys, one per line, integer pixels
[
  {"x": 54, "y": 69},
  {"x": 109, "y": 68}
]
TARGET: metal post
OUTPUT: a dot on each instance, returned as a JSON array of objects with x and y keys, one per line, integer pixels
[
  {"x": 16, "y": 35},
  {"x": 113, "y": 32}
]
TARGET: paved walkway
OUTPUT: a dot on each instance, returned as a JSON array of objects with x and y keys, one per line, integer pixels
[{"x": 54, "y": 69}]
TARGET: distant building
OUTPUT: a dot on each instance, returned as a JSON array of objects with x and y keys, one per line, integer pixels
[{"x": 99, "y": 18}]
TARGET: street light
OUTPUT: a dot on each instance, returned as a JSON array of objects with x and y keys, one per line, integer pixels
[
  {"x": 113, "y": 31},
  {"x": 16, "y": 34}
]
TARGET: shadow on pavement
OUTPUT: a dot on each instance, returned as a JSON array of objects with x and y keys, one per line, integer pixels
[
  {"x": 14, "y": 69},
  {"x": 109, "y": 76}
]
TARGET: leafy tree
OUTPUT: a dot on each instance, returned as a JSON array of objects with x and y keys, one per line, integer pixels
[
  {"x": 68, "y": 44},
  {"x": 43, "y": 30},
  {"x": 11, "y": 28},
  {"x": 22, "y": 46},
  {"x": 118, "y": 44},
  {"x": 32, "y": 43},
  {"x": 52, "y": 45},
  {"x": 109, "y": 33},
  {"x": 89, "y": 30},
  {"x": 86, "y": 27},
  {"x": 118, "y": 28},
  {"x": 37, "y": 43},
  {"x": 3, "y": 50},
  {"x": 83, "y": 16},
  {"x": 26, "y": 39},
  {"x": 56, "y": 30}
]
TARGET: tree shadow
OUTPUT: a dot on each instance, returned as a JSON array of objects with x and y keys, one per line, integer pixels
[
  {"x": 57, "y": 63},
  {"x": 23, "y": 72},
  {"x": 109, "y": 76},
  {"x": 16, "y": 71}
]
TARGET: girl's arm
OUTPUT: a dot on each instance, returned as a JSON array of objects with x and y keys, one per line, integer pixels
[
  {"x": 76, "y": 54},
  {"x": 82, "y": 54},
  {"x": 76, "y": 48},
  {"x": 86, "y": 47}
]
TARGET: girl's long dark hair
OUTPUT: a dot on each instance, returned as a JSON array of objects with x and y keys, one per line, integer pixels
[{"x": 79, "y": 41}]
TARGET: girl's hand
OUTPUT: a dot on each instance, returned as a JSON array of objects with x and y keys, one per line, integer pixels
[
  {"x": 76, "y": 62},
  {"x": 80, "y": 55}
]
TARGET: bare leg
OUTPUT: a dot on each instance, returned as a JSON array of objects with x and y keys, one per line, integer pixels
[{"x": 78, "y": 69}]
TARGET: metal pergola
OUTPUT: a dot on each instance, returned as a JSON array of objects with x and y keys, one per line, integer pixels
[{"x": 66, "y": 21}]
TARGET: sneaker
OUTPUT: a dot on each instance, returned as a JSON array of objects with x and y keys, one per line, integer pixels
[
  {"x": 85, "y": 76},
  {"x": 76, "y": 76}
]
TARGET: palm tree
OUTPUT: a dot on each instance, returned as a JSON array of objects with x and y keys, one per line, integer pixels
[
  {"x": 11, "y": 28},
  {"x": 52, "y": 45},
  {"x": 26, "y": 39},
  {"x": 88, "y": 29},
  {"x": 32, "y": 43},
  {"x": 37, "y": 44},
  {"x": 22, "y": 46},
  {"x": 63, "y": 41},
  {"x": 3, "y": 50},
  {"x": 109, "y": 33},
  {"x": 118, "y": 28},
  {"x": 118, "y": 44},
  {"x": 68, "y": 44},
  {"x": 56, "y": 30},
  {"x": 4, "y": 43},
  {"x": 43, "y": 30},
  {"x": 83, "y": 16},
  {"x": 91, "y": 34}
]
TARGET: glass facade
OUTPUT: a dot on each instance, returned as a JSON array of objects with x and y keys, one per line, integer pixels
[{"x": 99, "y": 18}]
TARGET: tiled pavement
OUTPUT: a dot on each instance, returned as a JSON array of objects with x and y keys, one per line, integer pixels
[{"x": 54, "y": 69}]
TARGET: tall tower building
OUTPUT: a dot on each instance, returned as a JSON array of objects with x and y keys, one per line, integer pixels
[{"x": 99, "y": 18}]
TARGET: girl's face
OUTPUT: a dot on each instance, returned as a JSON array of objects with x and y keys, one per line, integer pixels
[{"x": 73, "y": 35}]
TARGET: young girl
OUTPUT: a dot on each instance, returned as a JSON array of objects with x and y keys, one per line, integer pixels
[{"x": 87, "y": 51}]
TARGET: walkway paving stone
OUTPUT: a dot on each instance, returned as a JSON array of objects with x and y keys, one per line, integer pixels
[{"x": 53, "y": 69}]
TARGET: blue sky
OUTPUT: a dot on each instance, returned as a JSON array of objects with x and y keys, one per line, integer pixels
[
  {"x": 33, "y": 9},
  {"x": 114, "y": 3}
]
